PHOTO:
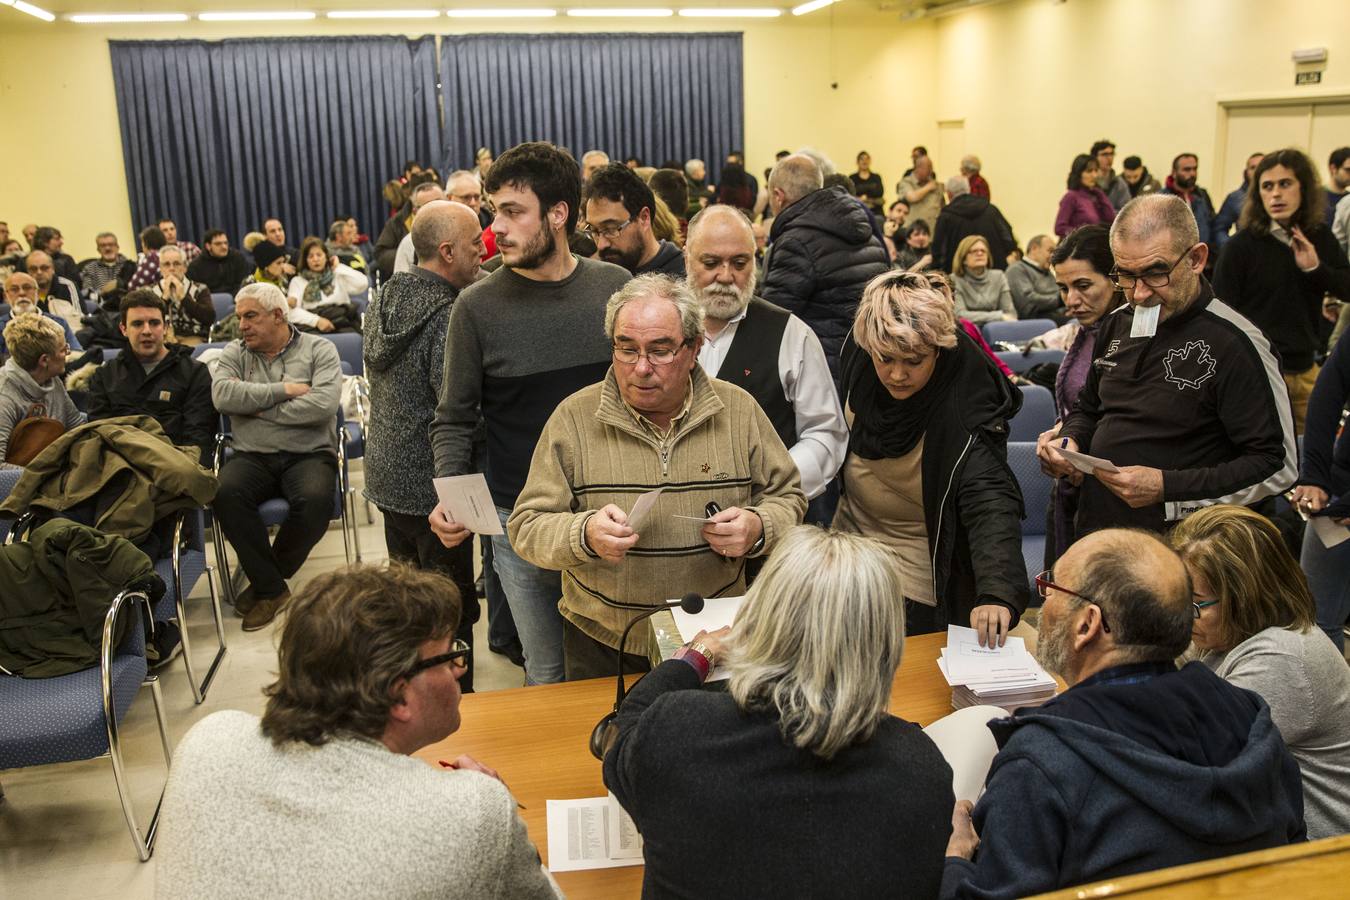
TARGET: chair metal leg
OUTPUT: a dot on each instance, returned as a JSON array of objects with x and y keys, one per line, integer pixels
[
  {"x": 356, "y": 528},
  {"x": 222, "y": 559},
  {"x": 199, "y": 689}
]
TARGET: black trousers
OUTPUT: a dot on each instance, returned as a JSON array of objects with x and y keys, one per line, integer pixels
[
  {"x": 410, "y": 540},
  {"x": 585, "y": 657},
  {"x": 307, "y": 481}
]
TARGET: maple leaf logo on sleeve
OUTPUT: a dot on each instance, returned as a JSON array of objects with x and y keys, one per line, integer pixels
[{"x": 1190, "y": 366}]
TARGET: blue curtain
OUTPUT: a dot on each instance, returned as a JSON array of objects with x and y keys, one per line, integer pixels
[
  {"x": 655, "y": 96},
  {"x": 223, "y": 134}
]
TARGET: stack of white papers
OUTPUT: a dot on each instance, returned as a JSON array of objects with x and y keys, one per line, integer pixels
[
  {"x": 594, "y": 833},
  {"x": 1006, "y": 676}
]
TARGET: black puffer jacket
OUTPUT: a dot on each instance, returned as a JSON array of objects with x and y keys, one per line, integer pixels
[
  {"x": 967, "y": 215},
  {"x": 822, "y": 253}
]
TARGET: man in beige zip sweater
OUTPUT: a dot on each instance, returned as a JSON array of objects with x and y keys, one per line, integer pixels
[{"x": 655, "y": 421}]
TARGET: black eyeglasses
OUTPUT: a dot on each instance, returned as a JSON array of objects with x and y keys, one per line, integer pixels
[
  {"x": 1043, "y": 583},
  {"x": 459, "y": 655},
  {"x": 1126, "y": 281}
]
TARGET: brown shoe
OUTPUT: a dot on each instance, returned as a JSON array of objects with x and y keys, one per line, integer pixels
[
  {"x": 265, "y": 610},
  {"x": 245, "y": 601}
]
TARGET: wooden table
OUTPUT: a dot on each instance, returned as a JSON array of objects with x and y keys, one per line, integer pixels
[{"x": 537, "y": 739}]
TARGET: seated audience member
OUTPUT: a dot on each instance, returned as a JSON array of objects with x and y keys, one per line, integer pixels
[
  {"x": 1034, "y": 293},
  {"x": 1255, "y": 626},
  {"x": 341, "y": 243},
  {"x": 1137, "y": 176},
  {"x": 916, "y": 253},
  {"x": 147, "y": 264},
  {"x": 280, "y": 389},
  {"x": 762, "y": 348},
  {"x": 275, "y": 234},
  {"x": 591, "y": 162},
  {"x": 321, "y": 292},
  {"x": 1139, "y": 765},
  {"x": 696, "y": 177},
  {"x": 396, "y": 229},
  {"x": 404, "y": 347},
  {"x": 21, "y": 293},
  {"x": 405, "y": 258},
  {"x": 170, "y": 231},
  {"x": 982, "y": 292},
  {"x": 671, "y": 186},
  {"x": 11, "y": 257},
  {"x": 1324, "y": 481},
  {"x": 30, "y": 380},
  {"x": 1193, "y": 415},
  {"x": 57, "y": 296},
  {"x": 271, "y": 266},
  {"x": 1083, "y": 264},
  {"x": 221, "y": 268},
  {"x": 188, "y": 307},
  {"x": 30, "y": 234},
  {"x": 735, "y": 188},
  {"x": 109, "y": 272},
  {"x": 463, "y": 186},
  {"x": 1083, "y": 203},
  {"x": 966, "y": 215},
  {"x": 1279, "y": 266},
  {"x": 655, "y": 419},
  {"x": 619, "y": 209},
  {"x": 941, "y": 282},
  {"x": 892, "y": 229},
  {"x": 803, "y": 725},
  {"x": 155, "y": 378},
  {"x": 926, "y": 470},
  {"x": 324, "y": 786},
  {"x": 49, "y": 240}
]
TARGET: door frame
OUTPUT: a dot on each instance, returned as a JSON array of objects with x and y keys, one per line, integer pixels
[{"x": 1307, "y": 97}]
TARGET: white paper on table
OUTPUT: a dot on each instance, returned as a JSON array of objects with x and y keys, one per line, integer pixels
[
  {"x": 1145, "y": 322},
  {"x": 718, "y": 612},
  {"x": 1328, "y": 531},
  {"x": 641, "y": 507},
  {"x": 624, "y": 840},
  {"x": 967, "y": 661},
  {"x": 468, "y": 501},
  {"x": 579, "y": 835},
  {"x": 968, "y": 746},
  {"x": 1085, "y": 463}
]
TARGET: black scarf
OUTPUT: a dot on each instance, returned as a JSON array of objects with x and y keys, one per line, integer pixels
[{"x": 883, "y": 427}]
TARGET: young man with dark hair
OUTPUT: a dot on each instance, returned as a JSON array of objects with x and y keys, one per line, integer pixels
[
  {"x": 221, "y": 268},
  {"x": 170, "y": 230},
  {"x": 519, "y": 342},
  {"x": 1338, "y": 180},
  {"x": 1117, "y": 190},
  {"x": 49, "y": 240},
  {"x": 150, "y": 377},
  {"x": 619, "y": 208},
  {"x": 1139, "y": 179},
  {"x": 1183, "y": 182}
]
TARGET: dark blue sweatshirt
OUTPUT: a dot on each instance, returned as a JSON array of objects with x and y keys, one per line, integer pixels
[{"x": 1326, "y": 461}]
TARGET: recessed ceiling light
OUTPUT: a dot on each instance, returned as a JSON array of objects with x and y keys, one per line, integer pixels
[
  {"x": 506, "y": 13},
  {"x": 36, "y": 12},
  {"x": 383, "y": 14},
  {"x": 283, "y": 16},
  {"x": 810, "y": 6},
  {"x": 759, "y": 12},
  {"x": 598, "y": 12},
  {"x": 102, "y": 18}
]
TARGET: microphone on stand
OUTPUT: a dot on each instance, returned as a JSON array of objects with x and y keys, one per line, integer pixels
[{"x": 607, "y": 729}]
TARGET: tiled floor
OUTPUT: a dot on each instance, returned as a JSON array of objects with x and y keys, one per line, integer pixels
[{"x": 62, "y": 834}]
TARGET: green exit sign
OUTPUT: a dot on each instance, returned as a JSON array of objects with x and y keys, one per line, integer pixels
[{"x": 1308, "y": 78}]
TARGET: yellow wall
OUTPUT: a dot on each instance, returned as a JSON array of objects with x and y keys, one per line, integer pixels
[
  {"x": 69, "y": 173},
  {"x": 1034, "y": 81}
]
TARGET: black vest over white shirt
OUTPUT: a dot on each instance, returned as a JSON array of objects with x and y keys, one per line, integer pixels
[{"x": 752, "y": 363}]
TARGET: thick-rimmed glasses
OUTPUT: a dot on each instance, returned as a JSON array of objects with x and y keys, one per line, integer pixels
[
  {"x": 608, "y": 232},
  {"x": 661, "y": 356},
  {"x": 459, "y": 656},
  {"x": 1043, "y": 583},
  {"x": 1125, "y": 281}
]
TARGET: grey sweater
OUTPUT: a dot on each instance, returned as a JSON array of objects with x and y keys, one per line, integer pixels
[
  {"x": 1306, "y": 682},
  {"x": 21, "y": 396},
  {"x": 983, "y": 298},
  {"x": 246, "y": 819},
  {"x": 251, "y": 389},
  {"x": 1033, "y": 290},
  {"x": 517, "y": 348}
]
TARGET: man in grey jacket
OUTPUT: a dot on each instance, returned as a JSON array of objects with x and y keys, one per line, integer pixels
[
  {"x": 1033, "y": 287},
  {"x": 281, "y": 389}
]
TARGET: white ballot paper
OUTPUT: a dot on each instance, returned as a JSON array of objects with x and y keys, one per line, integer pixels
[
  {"x": 717, "y": 612},
  {"x": 467, "y": 499},
  {"x": 641, "y": 507},
  {"x": 966, "y": 661},
  {"x": 1084, "y": 463},
  {"x": 1328, "y": 531},
  {"x": 1145, "y": 322},
  {"x": 968, "y": 746},
  {"x": 594, "y": 833}
]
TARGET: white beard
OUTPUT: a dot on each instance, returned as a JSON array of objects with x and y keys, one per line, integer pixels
[{"x": 725, "y": 302}]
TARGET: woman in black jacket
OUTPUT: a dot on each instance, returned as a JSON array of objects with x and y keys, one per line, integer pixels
[
  {"x": 796, "y": 781},
  {"x": 1281, "y": 263},
  {"x": 927, "y": 468}
]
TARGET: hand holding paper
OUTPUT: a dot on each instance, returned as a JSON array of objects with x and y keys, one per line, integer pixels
[{"x": 467, "y": 500}]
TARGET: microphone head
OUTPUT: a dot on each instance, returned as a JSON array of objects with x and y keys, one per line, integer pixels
[{"x": 692, "y": 603}]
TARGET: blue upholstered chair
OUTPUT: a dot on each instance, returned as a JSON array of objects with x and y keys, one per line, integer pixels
[
  {"x": 1018, "y": 330},
  {"x": 1021, "y": 362},
  {"x": 1036, "y": 415},
  {"x": 1036, "y": 487}
]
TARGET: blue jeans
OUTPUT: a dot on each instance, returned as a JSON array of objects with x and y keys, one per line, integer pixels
[
  {"x": 533, "y": 594},
  {"x": 1328, "y": 572}
]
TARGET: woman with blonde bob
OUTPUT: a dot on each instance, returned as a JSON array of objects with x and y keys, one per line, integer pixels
[
  {"x": 796, "y": 781},
  {"x": 926, "y": 470},
  {"x": 982, "y": 292},
  {"x": 1255, "y": 626}
]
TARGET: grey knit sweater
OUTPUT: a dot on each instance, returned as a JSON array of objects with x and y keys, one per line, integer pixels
[
  {"x": 983, "y": 298},
  {"x": 244, "y": 818},
  {"x": 404, "y": 352},
  {"x": 20, "y": 394}
]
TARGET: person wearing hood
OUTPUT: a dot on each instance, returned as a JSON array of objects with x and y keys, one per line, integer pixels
[
  {"x": 822, "y": 252},
  {"x": 926, "y": 470},
  {"x": 150, "y": 377},
  {"x": 964, "y": 215},
  {"x": 30, "y": 380},
  {"x": 404, "y": 344},
  {"x": 619, "y": 208},
  {"x": 1139, "y": 765}
]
